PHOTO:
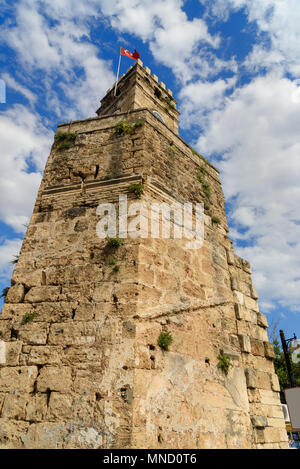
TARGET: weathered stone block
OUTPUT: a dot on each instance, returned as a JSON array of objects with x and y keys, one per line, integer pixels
[
  {"x": 14, "y": 406},
  {"x": 234, "y": 283},
  {"x": 5, "y": 329},
  {"x": 47, "y": 355},
  {"x": 245, "y": 343},
  {"x": 13, "y": 350},
  {"x": 230, "y": 257},
  {"x": 254, "y": 294},
  {"x": 2, "y": 352},
  {"x": 251, "y": 378},
  {"x": 269, "y": 350},
  {"x": 263, "y": 380},
  {"x": 45, "y": 435},
  {"x": 257, "y": 348},
  {"x": 15, "y": 294},
  {"x": 75, "y": 333},
  {"x": 250, "y": 303},
  {"x": 20, "y": 379},
  {"x": 37, "y": 408},
  {"x": 262, "y": 320},
  {"x": 275, "y": 382},
  {"x": 29, "y": 279},
  {"x": 55, "y": 379},
  {"x": 42, "y": 294},
  {"x": 60, "y": 407},
  {"x": 34, "y": 333}
]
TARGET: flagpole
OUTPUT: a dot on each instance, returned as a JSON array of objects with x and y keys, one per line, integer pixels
[{"x": 118, "y": 73}]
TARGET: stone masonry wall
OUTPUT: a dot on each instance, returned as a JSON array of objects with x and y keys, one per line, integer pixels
[{"x": 79, "y": 362}]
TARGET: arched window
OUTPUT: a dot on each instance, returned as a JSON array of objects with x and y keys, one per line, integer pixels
[{"x": 157, "y": 114}]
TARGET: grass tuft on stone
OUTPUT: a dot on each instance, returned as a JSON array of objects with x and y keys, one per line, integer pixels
[
  {"x": 28, "y": 317},
  {"x": 136, "y": 189},
  {"x": 215, "y": 220},
  {"x": 224, "y": 363},
  {"x": 124, "y": 127},
  {"x": 165, "y": 340},
  {"x": 4, "y": 292},
  {"x": 114, "y": 243},
  {"x": 65, "y": 139}
]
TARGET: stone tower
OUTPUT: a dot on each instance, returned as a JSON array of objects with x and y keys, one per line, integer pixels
[{"x": 80, "y": 364}]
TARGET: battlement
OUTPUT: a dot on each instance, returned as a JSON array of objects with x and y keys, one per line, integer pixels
[{"x": 139, "y": 89}]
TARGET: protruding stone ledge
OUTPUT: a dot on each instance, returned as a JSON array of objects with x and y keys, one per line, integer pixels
[
  {"x": 245, "y": 343},
  {"x": 259, "y": 421},
  {"x": 251, "y": 378},
  {"x": 269, "y": 350},
  {"x": 91, "y": 184}
]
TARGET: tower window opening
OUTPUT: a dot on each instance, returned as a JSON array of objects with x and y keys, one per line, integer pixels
[{"x": 157, "y": 93}]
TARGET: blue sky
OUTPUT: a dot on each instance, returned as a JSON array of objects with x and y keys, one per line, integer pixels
[{"x": 233, "y": 66}]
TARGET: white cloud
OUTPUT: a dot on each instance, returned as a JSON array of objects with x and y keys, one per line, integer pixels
[
  {"x": 199, "y": 98},
  {"x": 173, "y": 38},
  {"x": 278, "y": 20},
  {"x": 12, "y": 83},
  {"x": 24, "y": 140},
  {"x": 257, "y": 132},
  {"x": 61, "y": 49},
  {"x": 8, "y": 250}
]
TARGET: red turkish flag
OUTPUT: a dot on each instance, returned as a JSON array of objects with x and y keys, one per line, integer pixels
[{"x": 133, "y": 56}]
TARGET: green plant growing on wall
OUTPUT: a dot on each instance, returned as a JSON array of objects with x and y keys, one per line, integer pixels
[
  {"x": 124, "y": 127},
  {"x": 165, "y": 340},
  {"x": 136, "y": 189},
  {"x": 138, "y": 124},
  {"x": 15, "y": 260},
  {"x": 65, "y": 139},
  {"x": 4, "y": 292},
  {"x": 203, "y": 182},
  {"x": 224, "y": 363},
  {"x": 206, "y": 188},
  {"x": 28, "y": 317},
  {"x": 114, "y": 243},
  {"x": 116, "y": 268},
  {"x": 215, "y": 220},
  {"x": 112, "y": 262},
  {"x": 200, "y": 156},
  {"x": 108, "y": 176}
]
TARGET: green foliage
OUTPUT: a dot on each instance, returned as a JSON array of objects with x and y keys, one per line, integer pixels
[
  {"x": 202, "y": 170},
  {"x": 172, "y": 150},
  {"x": 215, "y": 220},
  {"x": 138, "y": 124},
  {"x": 114, "y": 243},
  {"x": 116, "y": 268},
  {"x": 15, "y": 260},
  {"x": 201, "y": 157},
  {"x": 165, "y": 340},
  {"x": 65, "y": 139},
  {"x": 124, "y": 127},
  {"x": 206, "y": 188},
  {"x": 201, "y": 178},
  {"x": 224, "y": 363},
  {"x": 281, "y": 370},
  {"x": 137, "y": 189},
  {"x": 28, "y": 317},
  {"x": 108, "y": 176},
  {"x": 4, "y": 292},
  {"x": 112, "y": 262}
]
